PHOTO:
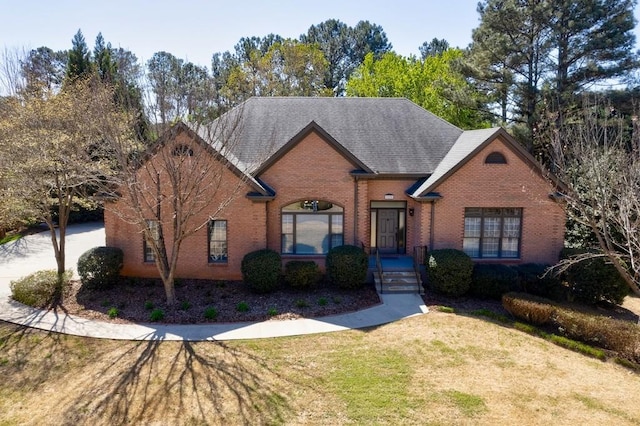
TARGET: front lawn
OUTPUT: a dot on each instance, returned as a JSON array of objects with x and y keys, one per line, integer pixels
[{"x": 439, "y": 368}]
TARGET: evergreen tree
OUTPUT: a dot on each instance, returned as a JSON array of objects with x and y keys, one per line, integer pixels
[{"x": 79, "y": 63}]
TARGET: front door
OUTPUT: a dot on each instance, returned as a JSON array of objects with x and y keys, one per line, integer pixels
[{"x": 388, "y": 230}]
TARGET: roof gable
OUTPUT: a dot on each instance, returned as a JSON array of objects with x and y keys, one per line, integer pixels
[
  {"x": 311, "y": 128},
  {"x": 231, "y": 162},
  {"x": 469, "y": 144}
]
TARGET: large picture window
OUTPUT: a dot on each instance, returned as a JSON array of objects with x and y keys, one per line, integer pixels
[
  {"x": 312, "y": 227},
  {"x": 492, "y": 232},
  {"x": 153, "y": 226},
  {"x": 218, "y": 241}
]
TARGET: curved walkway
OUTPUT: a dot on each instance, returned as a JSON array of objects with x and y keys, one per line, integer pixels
[{"x": 34, "y": 252}]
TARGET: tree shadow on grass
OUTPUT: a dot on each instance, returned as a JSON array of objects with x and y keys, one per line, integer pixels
[
  {"x": 181, "y": 382},
  {"x": 93, "y": 381}
]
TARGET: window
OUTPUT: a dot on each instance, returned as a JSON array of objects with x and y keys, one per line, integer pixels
[
  {"x": 311, "y": 227},
  {"x": 153, "y": 226},
  {"x": 495, "y": 158},
  {"x": 217, "y": 241},
  {"x": 492, "y": 232}
]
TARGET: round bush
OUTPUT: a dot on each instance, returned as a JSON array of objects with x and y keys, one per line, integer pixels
[
  {"x": 594, "y": 280},
  {"x": 449, "y": 271},
  {"x": 301, "y": 273},
  {"x": 100, "y": 267},
  {"x": 347, "y": 266},
  {"x": 261, "y": 270},
  {"x": 534, "y": 280},
  {"x": 39, "y": 289},
  {"x": 491, "y": 281}
]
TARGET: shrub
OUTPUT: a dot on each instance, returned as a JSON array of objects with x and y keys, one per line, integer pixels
[
  {"x": 148, "y": 305},
  {"x": 491, "y": 281},
  {"x": 347, "y": 266},
  {"x": 113, "y": 312},
  {"x": 211, "y": 313},
  {"x": 39, "y": 289},
  {"x": 534, "y": 280},
  {"x": 529, "y": 308},
  {"x": 156, "y": 315},
  {"x": 301, "y": 274},
  {"x": 100, "y": 267},
  {"x": 272, "y": 312},
  {"x": 594, "y": 280},
  {"x": 608, "y": 333},
  {"x": 261, "y": 270},
  {"x": 449, "y": 271},
  {"x": 301, "y": 303},
  {"x": 242, "y": 307},
  {"x": 323, "y": 301}
]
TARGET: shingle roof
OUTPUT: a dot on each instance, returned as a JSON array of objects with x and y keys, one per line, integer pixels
[{"x": 387, "y": 135}]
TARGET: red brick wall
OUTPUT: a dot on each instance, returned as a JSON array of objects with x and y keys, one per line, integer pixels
[
  {"x": 312, "y": 169},
  {"x": 245, "y": 229},
  {"x": 515, "y": 184}
]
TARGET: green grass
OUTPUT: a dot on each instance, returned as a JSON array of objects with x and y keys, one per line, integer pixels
[
  {"x": 10, "y": 237},
  {"x": 468, "y": 404},
  {"x": 373, "y": 384}
]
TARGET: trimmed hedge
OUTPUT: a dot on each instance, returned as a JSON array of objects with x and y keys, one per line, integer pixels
[
  {"x": 623, "y": 337},
  {"x": 491, "y": 281},
  {"x": 100, "y": 267},
  {"x": 449, "y": 271},
  {"x": 347, "y": 266},
  {"x": 301, "y": 273},
  {"x": 261, "y": 270},
  {"x": 532, "y": 309},
  {"x": 39, "y": 289},
  {"x": 594, "y": 280}
]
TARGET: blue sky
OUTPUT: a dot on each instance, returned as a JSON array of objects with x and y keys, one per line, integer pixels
[{"x": 194, "y": 30}]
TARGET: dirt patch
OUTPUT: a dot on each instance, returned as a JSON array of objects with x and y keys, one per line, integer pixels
[{"x": 135, "y": 300}]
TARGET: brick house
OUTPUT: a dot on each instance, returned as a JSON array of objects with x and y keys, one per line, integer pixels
[{"x": 314, "y": 173}]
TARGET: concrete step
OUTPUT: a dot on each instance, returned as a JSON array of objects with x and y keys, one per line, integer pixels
[{"x": 398, "y": 282}]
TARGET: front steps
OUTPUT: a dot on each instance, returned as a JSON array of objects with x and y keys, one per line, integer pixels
[{"x": 398, "y": 281}]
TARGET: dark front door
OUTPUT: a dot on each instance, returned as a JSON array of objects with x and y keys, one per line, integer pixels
[{"x": 388, "y": 230}]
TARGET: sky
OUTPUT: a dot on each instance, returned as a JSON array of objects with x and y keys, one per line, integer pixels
[{"x": 195, "y": 29}]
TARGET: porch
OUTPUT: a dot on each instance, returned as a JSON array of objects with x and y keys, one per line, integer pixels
[{"x": 398, "y": 273}]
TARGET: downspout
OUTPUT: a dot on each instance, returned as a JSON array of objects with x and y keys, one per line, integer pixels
[
  {"x": 355, "y": 211},
  {"x": 431, "y": 224}
]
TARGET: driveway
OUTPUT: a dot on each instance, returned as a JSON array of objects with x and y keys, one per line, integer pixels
[{"x": 35, "y": 252}]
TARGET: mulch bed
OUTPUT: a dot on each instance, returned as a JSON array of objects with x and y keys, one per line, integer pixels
[{"x": 136, "y": 299}]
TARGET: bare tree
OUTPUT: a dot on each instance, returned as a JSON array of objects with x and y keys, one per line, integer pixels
[
  {"x": 597, "y": 159},
  {"x": 173, "y": 188}
]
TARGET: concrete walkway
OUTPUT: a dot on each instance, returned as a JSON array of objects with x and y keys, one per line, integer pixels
[{"x": 35, "y": 252}]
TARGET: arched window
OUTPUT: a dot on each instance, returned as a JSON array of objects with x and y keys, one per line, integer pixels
[
  {"x": 312, "y": 227},
  {"x": 495, "y": 158},
  {"x": 182, "y": 150}
]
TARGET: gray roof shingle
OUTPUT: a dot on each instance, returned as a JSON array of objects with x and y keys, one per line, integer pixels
[{"x": 388, "y": 135}]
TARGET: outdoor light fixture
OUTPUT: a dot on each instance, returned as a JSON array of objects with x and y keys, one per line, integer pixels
[{"x": 411, "y": 210}]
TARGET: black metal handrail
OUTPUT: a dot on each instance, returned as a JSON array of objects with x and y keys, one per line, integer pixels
[
  {"x": 419, "y": 254},
  {"x": 380, "y": 272}
]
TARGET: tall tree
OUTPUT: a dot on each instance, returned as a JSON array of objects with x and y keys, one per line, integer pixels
[
  {"x": 44, "y": 68},
  {"x": 513, "y": 39},
  {"x": 433, "y": 47},
  {"x": 435, "y": 83},
  {"x": 594, "y": 42},
  {"x": 79, "y": 63},
  {"x": 345, "y": 48},
  {"x": 164, "y": 77},
  {"x": 104, "y": 62}
]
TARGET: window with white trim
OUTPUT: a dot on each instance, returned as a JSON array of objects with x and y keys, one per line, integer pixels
[
  {"x": 492, "y": 232},
  {"x": 218, "y": 241},
  {"x": 154, "y": 230},
  {"x": 311, "y": 227}
]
